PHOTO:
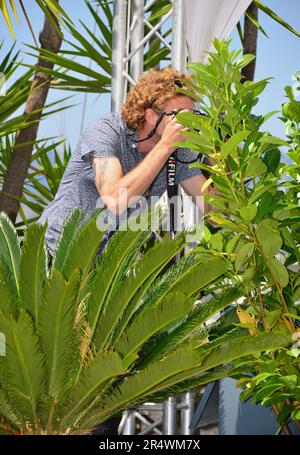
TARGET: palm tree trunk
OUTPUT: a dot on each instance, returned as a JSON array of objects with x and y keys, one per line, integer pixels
[
  {"x": 50, "y": 39},
  {"x": 250, "y": 42}
]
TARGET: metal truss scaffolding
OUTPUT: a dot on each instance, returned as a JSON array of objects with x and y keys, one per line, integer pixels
[{"x": 131, "y": 33}]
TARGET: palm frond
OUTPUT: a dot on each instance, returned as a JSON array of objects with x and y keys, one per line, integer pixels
[
  {"x": 190, "y": 275},
  {"x": 227, "y": 351},
  {"x": 125, "y": 300},
  {"x": 8, "y": 411},
  {"x": 7, "y": 15},
  {"x": 202, "y": 312},
  {"x": 10, "y": 249},
  {"x": 233, "y": 348},
  {"x": 9, "y": 296},
  {"x": 141, "y": 384},
  {"x": 275, "y": 17},
  {"x": 82, "y": 258},
  {"x": 56, "y": 328},
  {"x": 197, "y": 381},
  {"x": 101, "y": 368},
  {"x": 22, "y": 369},
  {"x": 33, "y": 269},
  {"x": 66, "y": 238},
  {"x": 112, "y": 268},
  {"x": 255, "y": 22},
  {"x": 166, "y": 281},
  {"x": 202, "y": 275},
  {"x": 174, "y": 305}
]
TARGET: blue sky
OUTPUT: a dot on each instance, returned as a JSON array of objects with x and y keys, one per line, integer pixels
[{"x": 278, "y": 56}]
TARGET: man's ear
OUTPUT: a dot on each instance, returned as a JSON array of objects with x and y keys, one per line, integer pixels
[{"x": 150, "y": 116}]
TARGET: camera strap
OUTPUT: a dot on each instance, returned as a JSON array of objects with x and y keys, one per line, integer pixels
[{"x": 172, "y": 190}]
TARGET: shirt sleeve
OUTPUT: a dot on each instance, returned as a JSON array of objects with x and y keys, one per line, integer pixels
[
  {"x": 100, "y": 139},
  {"x": 183, "y": 172}
]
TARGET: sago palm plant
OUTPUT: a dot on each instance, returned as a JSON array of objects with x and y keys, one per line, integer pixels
[{"x": 86, "y": 337}]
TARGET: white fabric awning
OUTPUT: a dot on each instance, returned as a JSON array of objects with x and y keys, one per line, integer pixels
[{"x": 209, "y": 19}]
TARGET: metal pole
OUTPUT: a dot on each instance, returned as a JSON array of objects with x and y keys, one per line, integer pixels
[
  {"x": 169, "y": 416},
  {"x": 129, "y": 426},
  {"x": 178, "y": 37},
  {"x": 137, "y": 60},
  {"x": 188, "y": 400},
  {"x": 118, "y": 54}
]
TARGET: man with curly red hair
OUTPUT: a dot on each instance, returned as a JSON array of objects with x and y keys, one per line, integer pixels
[{"x": 121, "y": 157}]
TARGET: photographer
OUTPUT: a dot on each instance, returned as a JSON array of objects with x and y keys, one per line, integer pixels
[{"x": 121, "y": 157}]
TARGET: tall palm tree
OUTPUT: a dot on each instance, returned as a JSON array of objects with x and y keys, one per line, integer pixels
[{"x": 50, "y": 38}]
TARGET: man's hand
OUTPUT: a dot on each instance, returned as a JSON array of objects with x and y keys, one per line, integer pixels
[{"x": 172, "y": 133}]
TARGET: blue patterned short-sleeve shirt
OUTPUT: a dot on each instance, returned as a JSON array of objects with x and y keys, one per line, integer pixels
[{"x": 107, "y": 136}]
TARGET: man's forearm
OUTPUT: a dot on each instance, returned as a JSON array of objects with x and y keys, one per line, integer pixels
[{"x": 135, "y": 183}]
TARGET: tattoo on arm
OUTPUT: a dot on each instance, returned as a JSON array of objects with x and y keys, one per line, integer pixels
[{"x": 99, "y": 169}]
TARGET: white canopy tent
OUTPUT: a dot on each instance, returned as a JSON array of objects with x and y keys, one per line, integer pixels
[{"x": 209, "y": 19}]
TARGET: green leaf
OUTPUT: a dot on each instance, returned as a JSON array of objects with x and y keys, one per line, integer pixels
[
  {"x": 265, "y": 392},
  {"x": 216, "y": 241},
  {"x": 248, "y": 213},
  {"x": 243, "y": 254},
  {"x": 201, "y": 275},
  {"x": 269, "y": 238},
  {"x": 279, "y": 272},
  {"x": 115, "y": 260},
  {"x": 291, "y": 110},
  {"x": 9, "y": 299},
  {"x": 296, "y": 295},
  {"x": 233, "y": 348},
  {"x": 259, "y": 191},
  {"x": 290, "y": 381},
  {"x": 271, "y": 318},
  {"x": 233, "y": 142},
  {"x": 232, "y": 243},
  {"x": 272, "y": 159},
  {"x": 254, "y": 21},
  {"x": 255, "y": 167},
  {"x": 244, "y": 60},
  {"x": 274, "y": 140},
  {"x": 275, "y": 399}
]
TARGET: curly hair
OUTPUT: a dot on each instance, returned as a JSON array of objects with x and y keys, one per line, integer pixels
[{"x": 152, "y": 89}]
